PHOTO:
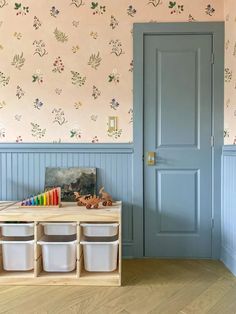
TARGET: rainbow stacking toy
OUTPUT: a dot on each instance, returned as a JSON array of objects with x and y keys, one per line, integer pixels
[{"x": 51, "y": 198}]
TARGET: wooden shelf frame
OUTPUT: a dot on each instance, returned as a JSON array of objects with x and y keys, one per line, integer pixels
[{"x": 66, "y": 214}]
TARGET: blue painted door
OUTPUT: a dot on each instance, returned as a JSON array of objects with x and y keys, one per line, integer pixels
[{"x": 177, "y": 128}]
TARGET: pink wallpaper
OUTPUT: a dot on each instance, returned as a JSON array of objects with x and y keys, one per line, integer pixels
[
  {"x": 66, "y": 65},
  {"x": 230, "y": 72}
]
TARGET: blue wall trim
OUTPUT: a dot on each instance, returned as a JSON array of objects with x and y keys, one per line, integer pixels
[
  {"x": 43, "y": 147},
  {"x": 228, "y": 214},
  {"x": 22, "y": 170}
]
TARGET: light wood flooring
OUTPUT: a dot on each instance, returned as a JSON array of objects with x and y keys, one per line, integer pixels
[{"x": 149, "y": 286}]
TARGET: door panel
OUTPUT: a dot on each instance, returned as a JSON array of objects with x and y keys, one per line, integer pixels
[
  {"x": 178, "y": 216},
  {"x": 185, "y": 63},
  {"x": 177, "y": 127}
]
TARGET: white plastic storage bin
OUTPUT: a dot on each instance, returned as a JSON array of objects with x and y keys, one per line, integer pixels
[
  {"x": 59, "y": 228},
  {"x": 58, "y": 255},
  {"x": 100, "y": 256},
  {"x": 17, "y": 255},
  {"x": 17, "y": 229},
  {"x": 100, "y": 230}
]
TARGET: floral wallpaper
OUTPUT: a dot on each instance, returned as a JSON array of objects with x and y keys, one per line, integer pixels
[
  {"x": 66, "y": 65},
  {"x": 230, "y": 72}
]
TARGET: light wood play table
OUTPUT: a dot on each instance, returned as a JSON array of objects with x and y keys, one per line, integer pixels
[{"x": 68, "y": 212}]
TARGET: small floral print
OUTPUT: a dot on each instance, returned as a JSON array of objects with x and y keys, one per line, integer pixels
[
  {"x": 209, "y": 10},
  {"x": 95, "y": 60},
  {"x": 75, "y": 23},
  {"x": 3, "y": 3},
  {"x": 116, "y": 47},
  {"x": 95, "y": 139},
  {"x": 59, "y": 116},
  {"x": 131, "y": 11},
  {"x": 19, "y": 139},
  {"x": 37, "y": 77},
  {"x": 4, "y": 80},
  {"x": 58, "y": 91},
  {"x": 94, "y": 117},
  {"x": 234, "y": 52},
  {"x": 18, "y": 117},
  {"x": 114, "y": 22},
  {"x": 40, "y": 48},
  {"x": 114, "y": 104},
  {"x": 227, "y": 104},
  {"x": 98, "y": 9},
  {"x": 19, "y": 92},
  {"x": 115, "y": 134},
  {"x": 228, "y": 75},
  {"x": 191, "y": 18},
  {"x": 58, "y": 66},
  {"x": 60, "y": 36},
  {"x": 96, "y": 92},
  {"x": 75, "y": 48},
  {"x": 226, "y": 133},
  {"x": 57, "y": 141},
  {"x": 94, "y": 35},
  {"x": 17, "y": 35},
  {"x": 18, "y": 61},
  {"x": 54, "y": 11},
  {"x": 131, "y": 69},
  {"x": 77, "y": 79},
  {"x": 234, "y": 142},
  {"x": 155, "y": 3},
  {"x": 75, "y": 133},
  {"x": 38, "y": 104},
  {"x": 227, "y": 43},
  {"x": 2, "y": 133},
  {"x": 37, "y": 131},
  {"x": 37, "y": 23},
  {"x": 130, "y": 112},
  {"x": 175, "y": 8},
  {"x": 78, "y": 104},
  {"x": 77, "y": 3},
  {"x": 1, "y": 47},
  {"x": 21, "y": 10},
  {"x": 2, "y": 104},
  {"x": 114, "y": 77}
]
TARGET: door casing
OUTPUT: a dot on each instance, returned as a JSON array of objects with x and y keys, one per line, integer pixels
[{"x": 216, "y": 29}]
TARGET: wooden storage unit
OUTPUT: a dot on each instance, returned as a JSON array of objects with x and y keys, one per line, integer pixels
[{"x": 69, "y": 212}]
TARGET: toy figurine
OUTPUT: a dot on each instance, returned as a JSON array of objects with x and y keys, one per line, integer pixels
[
  {"x": 105, "y": 197},
  {"x": 88, "y": 201},
  {"x": 81, "y": 199}
]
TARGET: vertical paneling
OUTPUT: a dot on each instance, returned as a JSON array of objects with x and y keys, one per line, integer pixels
[
  {"x": 228, "y": 215},
  {"x": 22, "y": 173}
]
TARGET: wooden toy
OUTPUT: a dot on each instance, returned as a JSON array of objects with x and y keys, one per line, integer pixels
[
  {"x": 105, "y": 197},
  {"x": 81, "y": 199},
  {"x": 88, "y": 201},
  {"x": 51, "y": 198},
  {"x": 92, "y": 202}
]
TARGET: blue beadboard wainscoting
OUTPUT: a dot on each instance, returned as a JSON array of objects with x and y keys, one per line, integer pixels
[
  {"x": 22, "y": 171},
  {"x": 228, "y": 216}
]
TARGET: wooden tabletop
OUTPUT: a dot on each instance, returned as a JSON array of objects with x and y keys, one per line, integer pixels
[{"x": 69, "y": 211}]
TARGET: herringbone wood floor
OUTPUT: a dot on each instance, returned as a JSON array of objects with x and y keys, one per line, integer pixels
[{"x": 149, "y": 286}]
